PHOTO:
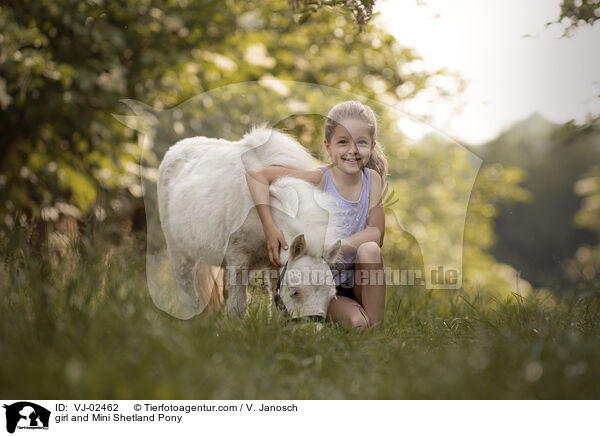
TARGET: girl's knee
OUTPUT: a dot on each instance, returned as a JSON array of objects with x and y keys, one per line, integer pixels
[{"x": 369, "y": 252}]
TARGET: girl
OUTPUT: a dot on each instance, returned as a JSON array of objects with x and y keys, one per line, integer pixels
[{"x": 354, "y": 177}]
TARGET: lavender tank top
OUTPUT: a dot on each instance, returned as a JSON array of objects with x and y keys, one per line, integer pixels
[{"x": 353, "y": 215}]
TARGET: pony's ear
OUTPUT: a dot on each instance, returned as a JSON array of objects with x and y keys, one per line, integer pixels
[
  {"x": 298, "y": 247},
  {"x": 331, "y": 252}
]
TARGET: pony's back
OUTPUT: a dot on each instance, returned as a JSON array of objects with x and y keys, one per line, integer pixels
[{"x": 202, "y": 190}]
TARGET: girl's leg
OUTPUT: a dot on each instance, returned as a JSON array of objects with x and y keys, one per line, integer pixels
[
  {"x": 369, "y": 282},
  {"x": 346, "y": 311}
]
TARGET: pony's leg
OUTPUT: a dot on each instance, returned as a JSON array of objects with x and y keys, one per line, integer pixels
[
  {"x": 208, "y": 282},
  {"x": 237, "y": 291},
  {"x": 183, "y": 268}
]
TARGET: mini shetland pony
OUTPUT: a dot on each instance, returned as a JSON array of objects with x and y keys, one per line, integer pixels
[{"x": 210, "y": 221}]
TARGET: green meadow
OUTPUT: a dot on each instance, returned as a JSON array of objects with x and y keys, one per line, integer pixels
[{"x": 85, "y": 327}]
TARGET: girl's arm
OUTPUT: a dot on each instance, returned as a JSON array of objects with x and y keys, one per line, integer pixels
[
  {"x": 375, "y": 219},
  {"x": 258, "y": 180}
]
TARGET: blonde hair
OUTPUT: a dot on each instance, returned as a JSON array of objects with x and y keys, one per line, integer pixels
[{"x": 355, "y": 110}]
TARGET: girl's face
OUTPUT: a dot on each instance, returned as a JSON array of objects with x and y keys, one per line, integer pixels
[{"x": 350, "y": 146}]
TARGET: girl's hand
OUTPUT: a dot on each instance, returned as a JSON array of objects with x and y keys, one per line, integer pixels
[{"x": 274, "y": 238}]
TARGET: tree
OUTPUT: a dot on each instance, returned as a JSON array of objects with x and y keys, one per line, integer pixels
[
  {"x": 579, "y": 12},
  {"x": 539, "y": 235},
  {"x": 65, "y": 66},
  {"x": 585, "y": 266},
  {"x": 362, "y": 10}
]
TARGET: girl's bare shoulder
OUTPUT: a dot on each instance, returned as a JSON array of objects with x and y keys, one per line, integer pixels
[{"x": 376, "y": 189}]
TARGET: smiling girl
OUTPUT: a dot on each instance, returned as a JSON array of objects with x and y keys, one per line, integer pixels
[{"x": 354, "y": 177}]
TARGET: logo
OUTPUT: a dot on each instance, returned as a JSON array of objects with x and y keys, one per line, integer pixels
[{"x": 26, "y": 415}]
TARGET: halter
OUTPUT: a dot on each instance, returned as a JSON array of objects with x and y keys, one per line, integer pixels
[{"x": 277, "y": 297}]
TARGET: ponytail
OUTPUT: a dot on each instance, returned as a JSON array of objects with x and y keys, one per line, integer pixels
[{"x": 378, "y": 162}]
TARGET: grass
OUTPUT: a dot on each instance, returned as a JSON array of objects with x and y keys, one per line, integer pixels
[{"x": 84, "y": 327}]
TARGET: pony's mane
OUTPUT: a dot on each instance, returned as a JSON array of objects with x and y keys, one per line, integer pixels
[{"x": 310, "y": 211}]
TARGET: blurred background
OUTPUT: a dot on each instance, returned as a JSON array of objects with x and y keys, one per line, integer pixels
[
  {"x": 516, "y": 85},
  {"x": 66, "y": 164}
]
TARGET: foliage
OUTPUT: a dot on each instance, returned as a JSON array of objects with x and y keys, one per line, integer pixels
[
  {"x": 584, "y": 268},
  {"x": 537, "y": 236},
  {"x": 579, "y": 12},
  {"x": 362, "y": 10},
  {"x": 65, "y": 66},
  {"x": 589, "y": 188},
  {"x": 433, "y": 186}
]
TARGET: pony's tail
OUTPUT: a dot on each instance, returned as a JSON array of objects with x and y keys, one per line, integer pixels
[{"x": 210, "y": 286}]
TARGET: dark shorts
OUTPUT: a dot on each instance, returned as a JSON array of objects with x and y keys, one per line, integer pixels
[{"x": 346, "y": 286}]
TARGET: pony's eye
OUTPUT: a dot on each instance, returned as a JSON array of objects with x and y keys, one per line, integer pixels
[{"x": 294, "y": 292}]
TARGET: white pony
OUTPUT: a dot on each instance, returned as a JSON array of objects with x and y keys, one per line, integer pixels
[{"x": 208, "y": 217}]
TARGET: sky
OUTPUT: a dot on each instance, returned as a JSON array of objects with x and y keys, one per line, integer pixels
[{"x": 512, "y": 63}]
